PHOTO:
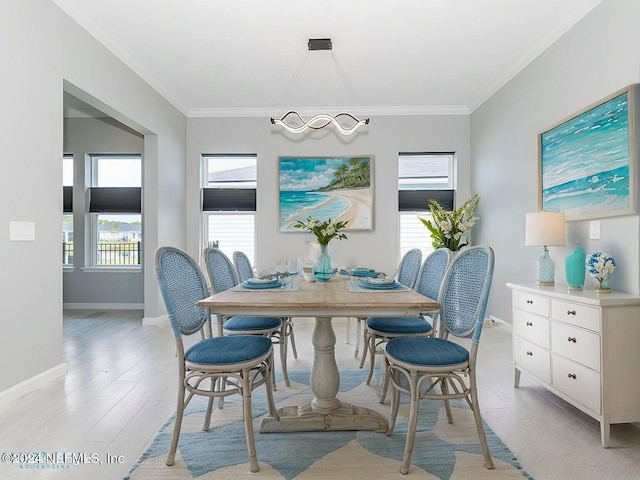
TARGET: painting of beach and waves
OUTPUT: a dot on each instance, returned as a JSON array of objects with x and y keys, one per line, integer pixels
[
  {"x": 587, "y": 162},
  {"x": 337, "y": 188}
]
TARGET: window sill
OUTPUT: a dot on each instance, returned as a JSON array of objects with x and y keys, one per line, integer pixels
[{"x": 129, "y": 269}]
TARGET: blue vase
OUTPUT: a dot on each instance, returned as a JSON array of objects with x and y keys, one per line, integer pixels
[
  {"x": 574, "y": 265},
  {"x": 322, "y": 270}
]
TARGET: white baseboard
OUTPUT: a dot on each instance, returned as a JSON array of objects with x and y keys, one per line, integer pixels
[
  {"x": 32, "y": 384},
  {"x": 103, "y": 306},
  {"x": 155, "y": 321},
  {"x": 493, "y": 320}
]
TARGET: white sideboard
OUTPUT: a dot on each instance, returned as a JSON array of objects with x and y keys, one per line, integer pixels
[{"x": 583, "y": 347}]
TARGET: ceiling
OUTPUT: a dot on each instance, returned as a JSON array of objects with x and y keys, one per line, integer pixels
[{"x": 250, "y": 57}]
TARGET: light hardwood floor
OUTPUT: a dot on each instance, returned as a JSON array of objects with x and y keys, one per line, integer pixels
[{"x": 121, "y": 387}]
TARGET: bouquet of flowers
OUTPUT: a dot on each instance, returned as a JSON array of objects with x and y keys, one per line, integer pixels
[
  {"x": 324, "y": 231},
  {"x": 447, "y": 228},
  {"x": 600, "y": 265}
]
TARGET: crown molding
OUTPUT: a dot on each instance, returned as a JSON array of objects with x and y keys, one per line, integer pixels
[{"x": 307, "y": 111}]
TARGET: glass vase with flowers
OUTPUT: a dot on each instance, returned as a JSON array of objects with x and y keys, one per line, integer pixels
[
  {"x": 600, "y": 265},
  {"x": 324, "y": 232}
]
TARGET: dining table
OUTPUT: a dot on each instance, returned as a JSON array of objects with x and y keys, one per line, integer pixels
[{"x": 324, "y": 301}]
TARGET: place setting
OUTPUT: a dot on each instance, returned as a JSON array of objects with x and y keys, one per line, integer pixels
[
  {"x": 278, "y": 278},
  {"x": 369, "y": 280}
]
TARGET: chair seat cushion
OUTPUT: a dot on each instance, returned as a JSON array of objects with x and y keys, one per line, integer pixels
[
  {"x": 426, "y": 351},
  {"x": 399, "y": 325},
  {"x": 228, "y": 350},
  {"x": 241, "y": 323}
]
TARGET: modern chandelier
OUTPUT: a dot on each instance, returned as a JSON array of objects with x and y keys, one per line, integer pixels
[
  {"x": 319, "y": 121},
  {"x": 345, "y": 123}
]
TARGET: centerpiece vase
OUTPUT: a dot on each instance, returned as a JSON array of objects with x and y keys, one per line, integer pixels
[
  {"x": 322, "y": 270},
  {"x": 603, "y": 285}
]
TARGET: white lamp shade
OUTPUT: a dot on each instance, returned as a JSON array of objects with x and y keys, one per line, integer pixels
[{"x": 545, "y": 229}]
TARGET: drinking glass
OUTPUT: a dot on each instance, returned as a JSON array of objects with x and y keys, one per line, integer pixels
[
  {"x": 351, "y": 265},
  {"x": 294, "y": 267}
]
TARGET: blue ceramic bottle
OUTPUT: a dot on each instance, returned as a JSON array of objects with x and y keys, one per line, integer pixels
[{"x": 575, "y": 268}]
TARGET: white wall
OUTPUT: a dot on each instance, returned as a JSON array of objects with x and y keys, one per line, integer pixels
[
  {"x": 596, "y": 57},
  {"x": 383, "y": 138},
  {"x": 41, "y": 52}
]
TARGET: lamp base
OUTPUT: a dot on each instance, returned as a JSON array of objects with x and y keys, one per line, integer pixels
[{"x": 546, "y": 269}]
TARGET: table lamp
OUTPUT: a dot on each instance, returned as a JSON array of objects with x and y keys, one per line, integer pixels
[{"x": 545, "y": 229}]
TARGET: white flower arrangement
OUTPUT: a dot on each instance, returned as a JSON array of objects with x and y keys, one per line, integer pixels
[
  {"x": 324, "y": 231},
  {"x": 600, "y": 265},
  {"x": 450, "y": 228}
]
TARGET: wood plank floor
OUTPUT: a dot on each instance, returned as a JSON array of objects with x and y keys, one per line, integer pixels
[{"x": 121, "y": 387}]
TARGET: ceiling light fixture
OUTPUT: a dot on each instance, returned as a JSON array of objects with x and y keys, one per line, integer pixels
[{"x": 321, "y": 120}]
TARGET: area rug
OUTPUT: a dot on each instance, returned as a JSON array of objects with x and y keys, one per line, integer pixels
[{"x": 442, "y": 450}]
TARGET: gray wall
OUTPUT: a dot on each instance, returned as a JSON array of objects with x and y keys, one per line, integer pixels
[
  {"x": 42, "y": 52},
  {"x": 383, "y": 138},
  {"x": 97, "y": 287},
  {"x": 596, "y": 57}
]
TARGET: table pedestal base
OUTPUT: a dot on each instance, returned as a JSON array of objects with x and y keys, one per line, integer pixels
[{"x": 304, "y": 419}]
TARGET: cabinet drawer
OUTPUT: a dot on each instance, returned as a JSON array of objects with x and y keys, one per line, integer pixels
[
  {"x": 531, "y": 303},
  {"x": 576, "y": 314},
  {"x": 532, "y": 358},
  {"x": 577, "y": 344},
  {"x": 578, "y": 382},
  {"x": 531, "y": 327}
]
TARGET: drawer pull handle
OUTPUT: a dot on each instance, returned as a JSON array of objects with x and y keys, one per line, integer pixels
[
  {"x": 572, "y": 375},
  {"x": 571, "y": 312},
  {"x": 530, "y": 353},
  {"x": 529, "y": 324},
  {"x": 530, "y": 301},
  {"x": 571, "y": 339}
]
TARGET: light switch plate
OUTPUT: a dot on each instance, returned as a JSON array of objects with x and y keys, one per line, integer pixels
[
  {"x": 22, "y": 231},
  {"x": 594, "y": 230}
]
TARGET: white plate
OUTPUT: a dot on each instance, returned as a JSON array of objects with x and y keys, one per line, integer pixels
[
  {"x": 257, "y": 280},
  {"x": 381, "y": 281}
]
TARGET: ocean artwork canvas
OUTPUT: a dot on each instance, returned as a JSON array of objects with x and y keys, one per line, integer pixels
[
  {"x": 587, "y": 161},
  {"x": 337, "y": 188}
]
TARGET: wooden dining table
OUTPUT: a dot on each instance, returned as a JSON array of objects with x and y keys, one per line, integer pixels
[{"x": 324, "y": 301}]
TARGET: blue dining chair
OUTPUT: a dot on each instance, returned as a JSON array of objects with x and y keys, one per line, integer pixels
[
  {"x": 246, "y": 359},
  {"x": 407, "y": 275},
  {"x": 244, "y": 269},
  {"x": 416, "y": 366},
  {"x": 382, "y": 329},
  {"x": 243, "y": 266},
  {"x": 222, "y": 274}
]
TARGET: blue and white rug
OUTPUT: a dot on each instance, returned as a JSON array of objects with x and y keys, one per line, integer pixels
[{"x": 441, "y": 451}]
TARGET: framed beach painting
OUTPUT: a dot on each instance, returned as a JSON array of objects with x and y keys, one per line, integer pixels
[
  {"x": 337, "y": 188},
  {"x": 588, "y": 161}
]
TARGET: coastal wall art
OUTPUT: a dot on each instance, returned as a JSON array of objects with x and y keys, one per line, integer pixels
[
  {"x": 337, "y": 188},
  {"x": 588, "y": 161}
]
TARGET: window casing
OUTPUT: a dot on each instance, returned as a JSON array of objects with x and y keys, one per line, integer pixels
[
  {"x": 67, "y": 210},
  {"x": 228, "y": 202},
  {"x": 115, "y": 206},
  {"x": 422, "y": 176}
]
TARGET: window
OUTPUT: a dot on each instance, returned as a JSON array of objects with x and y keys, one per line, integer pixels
[
  {"x": 229, "y": 202},
  {"x": 67, "y": 210},
  {"x": 422, "y": 176},
  {"x": 115, "y": 207}
]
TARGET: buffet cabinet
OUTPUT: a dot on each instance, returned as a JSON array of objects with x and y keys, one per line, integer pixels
[{"x": 583, "y": 347}]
